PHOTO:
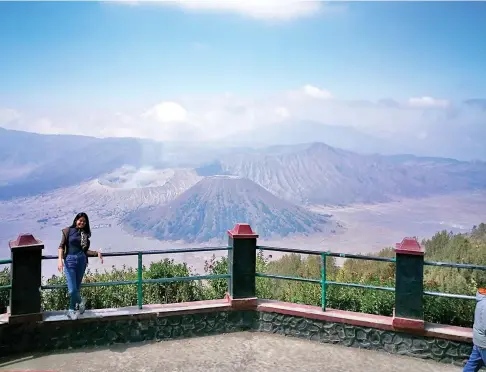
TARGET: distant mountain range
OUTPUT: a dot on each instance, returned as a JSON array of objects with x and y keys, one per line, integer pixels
[
  {"x": 111, "y": 196},
  {"x": 320, "y": 174},
  {"x": 31, "y": 163},
  {"x": 175, "y": 191},
  {"x": 205, "y": 211}
]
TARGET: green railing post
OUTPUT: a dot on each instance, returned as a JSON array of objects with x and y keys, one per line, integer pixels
[
  {"x": 26, "y": 279},
  {"x": 242, "y": 262},
  {"x": 323, "y": 282},
  {"x": 409, "y": 285},
  {"x": 139, "y": 281}
]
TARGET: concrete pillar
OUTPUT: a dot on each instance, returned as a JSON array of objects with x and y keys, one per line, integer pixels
[
  {"x": 409, "y": 285},
  {"x": 242, "y": 266},
  {"x": 25, "y": 296}
]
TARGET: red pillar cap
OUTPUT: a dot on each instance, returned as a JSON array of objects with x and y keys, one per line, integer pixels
[
  {"x": 24, "y": 240},
  {"x": 242, "y": 230},
  {"x": 409, "y": 246}
]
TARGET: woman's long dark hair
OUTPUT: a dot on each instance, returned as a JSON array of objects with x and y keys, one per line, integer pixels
[{"x": 87, "y": 228}]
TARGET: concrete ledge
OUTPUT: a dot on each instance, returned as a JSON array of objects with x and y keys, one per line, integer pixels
[
  {"x": 448, "y": 332},
  {"x": 148, "y": 311}
]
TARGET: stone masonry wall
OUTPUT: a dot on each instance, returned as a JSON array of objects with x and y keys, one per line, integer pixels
[
  {"x": 51, "y": 336},
  {"x": 440, "y": 350}
]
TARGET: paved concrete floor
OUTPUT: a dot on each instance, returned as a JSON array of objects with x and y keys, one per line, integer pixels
[{"x": 225, "y": 353}]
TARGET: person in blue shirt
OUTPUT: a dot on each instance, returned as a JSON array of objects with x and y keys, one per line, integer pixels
[
  {"x": 477, "y": 359},
  {"x": 73, "y": 259}
]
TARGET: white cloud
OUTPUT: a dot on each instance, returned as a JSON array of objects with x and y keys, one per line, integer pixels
[
  {"x": 167, "y": 112},
  {"x": 306, "y": 114},
  {"x": 168, "y": 121},
  {"x": 427, "y": 102},
  {"x": 259, "y": 9},
  {"x": 308, "y": 93},
  {"x": 127, "y": 2},
  {"x": 316, "y": 92},
  {"x": 282, "y": 10},
  {"x": 8, "y": 116}
]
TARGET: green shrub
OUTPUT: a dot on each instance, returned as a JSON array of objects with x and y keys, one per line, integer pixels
[
  {"x": 98, "y": 297},
  {"x": 4, "y": 293}
]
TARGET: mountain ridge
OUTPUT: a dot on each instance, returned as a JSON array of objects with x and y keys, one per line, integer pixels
[
  {"x": 321, "y": 174},
  {"x": 312, "y": 173},
  {"x": 205, "y": 211}
]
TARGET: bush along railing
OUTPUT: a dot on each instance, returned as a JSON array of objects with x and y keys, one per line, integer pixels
[
  {"x": 323, "y": 280},
  {"x": 453, "y": 266},
  {"x": 4, "y": 279},
  {"x": 408, "y": 311},
  {"x": 5, "y": 285},
  {"x": 139, "y": 282},
  {"x": 241, "y": 276}
]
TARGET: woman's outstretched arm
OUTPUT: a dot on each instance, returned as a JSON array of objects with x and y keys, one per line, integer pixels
[
  {"x": 95, "y": 254},
  {"x": 60, "y": 263}
]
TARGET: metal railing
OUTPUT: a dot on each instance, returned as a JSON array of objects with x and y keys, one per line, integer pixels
[
  {"x": 454, "y": 266},
  {"x": 323, "y": 280},
  {"x": 140, "y": 281}
]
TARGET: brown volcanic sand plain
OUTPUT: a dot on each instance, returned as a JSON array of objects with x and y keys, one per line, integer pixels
[{"x": 367, "y": 228}]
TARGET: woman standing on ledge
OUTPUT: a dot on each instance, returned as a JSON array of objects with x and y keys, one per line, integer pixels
[{"x": 73, "y": 258}]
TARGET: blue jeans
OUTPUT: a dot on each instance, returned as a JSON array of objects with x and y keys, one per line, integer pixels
[
  {"x": 74, "y": 268},
  {"x": 476, "y": 361}
]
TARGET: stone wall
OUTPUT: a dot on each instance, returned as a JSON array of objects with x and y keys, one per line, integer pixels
[
  {"x": 440, "y": 350},
  {"x": 58, "y": 335}
]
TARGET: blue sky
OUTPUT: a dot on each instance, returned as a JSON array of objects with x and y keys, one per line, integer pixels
[
  {"x": 367, "y": 51},
  {"x": 92, "y": 58}
]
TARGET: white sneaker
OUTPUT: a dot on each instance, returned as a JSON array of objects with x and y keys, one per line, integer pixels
[
  {"x": 71, "y": 314},
  {"x": 82, "y": 306}
]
